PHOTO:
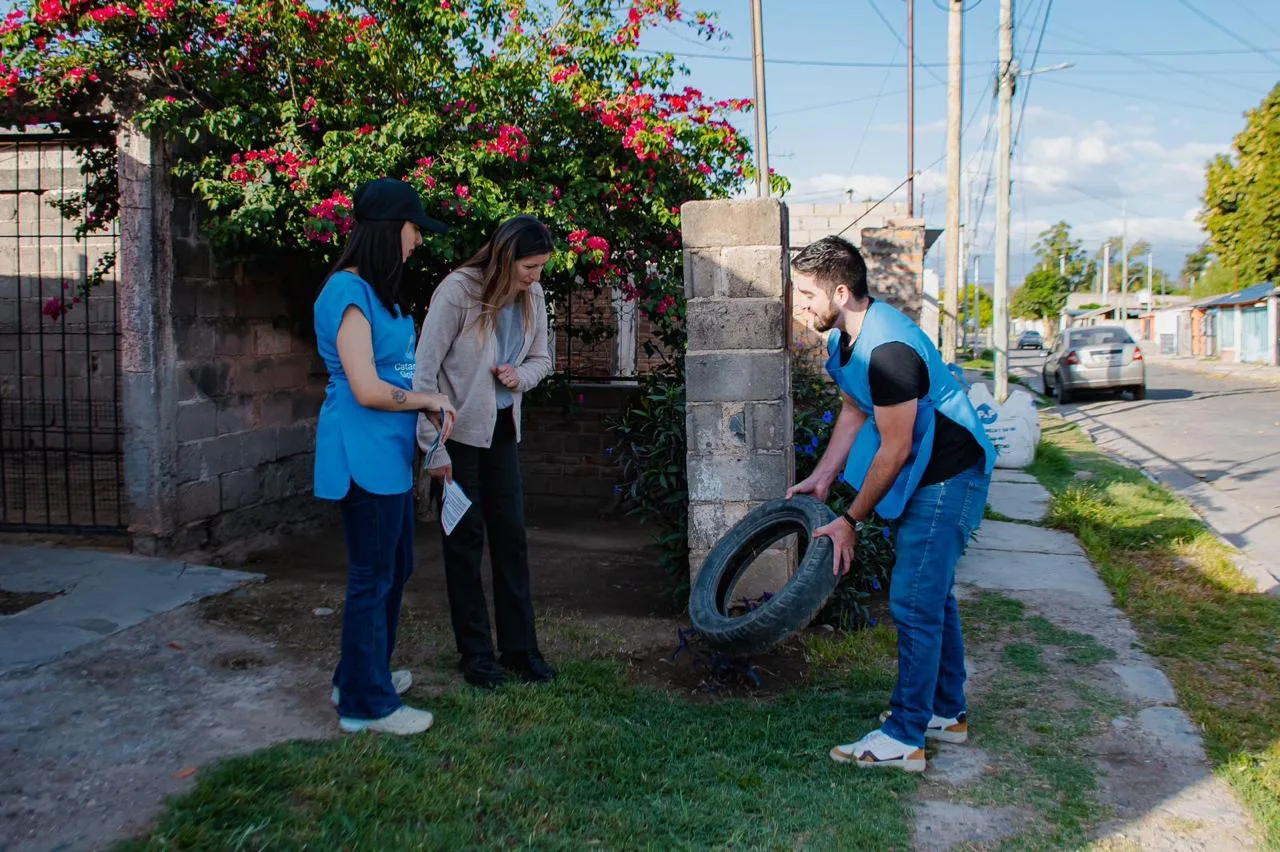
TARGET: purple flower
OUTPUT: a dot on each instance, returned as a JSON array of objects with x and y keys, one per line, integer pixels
[{"x": 827, "y": 417}]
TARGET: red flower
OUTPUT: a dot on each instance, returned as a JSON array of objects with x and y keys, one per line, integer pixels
[
  {"x": 462, "y": 191},
  {"x": 365, "y": 130}
]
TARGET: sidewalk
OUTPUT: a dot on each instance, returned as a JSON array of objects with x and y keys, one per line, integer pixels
[
  {"x": 1152, "y": 767},
  {"x": 1211, "y": 367}
]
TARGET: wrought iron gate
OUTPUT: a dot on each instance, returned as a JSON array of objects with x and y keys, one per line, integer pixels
[{"x": 61, "y": 437}]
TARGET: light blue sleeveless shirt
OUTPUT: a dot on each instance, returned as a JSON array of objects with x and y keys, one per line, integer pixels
[
  {"x": 883, "y": 324},
  {"x": 373, "y": 448}
]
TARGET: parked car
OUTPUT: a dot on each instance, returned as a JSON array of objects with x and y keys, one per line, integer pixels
[
  {"x": 1094, "y": 358},
  {"x": 1030, "y": 340}
]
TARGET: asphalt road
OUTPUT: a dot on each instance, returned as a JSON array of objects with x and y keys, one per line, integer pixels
[{"x": 1211, "y": 438}]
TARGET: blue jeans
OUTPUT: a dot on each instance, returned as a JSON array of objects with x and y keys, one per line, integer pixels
[
  {"x": 931, "y": 536},
  {"x": 379, "y": 531}
]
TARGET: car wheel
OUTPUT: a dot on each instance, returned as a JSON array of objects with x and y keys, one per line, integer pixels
[
  {"x": 1060, "y": 392},
  {"x": 1139, "y": 392}
]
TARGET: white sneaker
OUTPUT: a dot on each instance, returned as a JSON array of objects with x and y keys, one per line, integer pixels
[
  {"x": 404, "y": 721},
  {"x": 941, "y": 728},
  {"x": 878, "y": 749},
  {"x": 400, "y": 681}
]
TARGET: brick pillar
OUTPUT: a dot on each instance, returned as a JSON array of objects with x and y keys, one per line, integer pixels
[
  {"x": 895, "y": 264},
  {"x": 147, "y": 348},
  {"x": 739, "y": 415}
]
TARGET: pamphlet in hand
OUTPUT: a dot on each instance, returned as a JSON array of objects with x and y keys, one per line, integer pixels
[{"x": 456, "y": 505}]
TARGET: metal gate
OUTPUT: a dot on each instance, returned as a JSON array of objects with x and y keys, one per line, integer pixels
[
  {"x": 1253, "y": 335},
  {"x": 61, "y": 440}
]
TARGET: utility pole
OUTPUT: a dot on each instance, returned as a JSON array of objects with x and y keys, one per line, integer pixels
[
  {"x": 1106, "y": 270},
  {"x": 977, "y": 307},
  {"x": 1062, "y": 264},
  {"x": 955, "y": 111},
  {"x": 962, "y": 263},
  {"x": 1124, "y": 265},
  {"x": 1000, "y": 302},
  {"x": 911, "y": 108},
  {"x": 763, "y": 190},
  {"x": 1151, "y": 293}
]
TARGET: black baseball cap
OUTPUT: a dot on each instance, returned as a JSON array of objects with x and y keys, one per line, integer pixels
[{"x": 390, "y": 200}]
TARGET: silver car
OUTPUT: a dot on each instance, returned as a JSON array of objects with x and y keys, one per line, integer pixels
[{"x": 1094, "y": 358}]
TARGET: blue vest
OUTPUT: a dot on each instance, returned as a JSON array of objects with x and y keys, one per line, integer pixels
[
  {"x": 370, "y": 447},
  {"x": 886, "y": 324}
]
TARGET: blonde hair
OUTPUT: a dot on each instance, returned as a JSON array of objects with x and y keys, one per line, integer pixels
[{"x": 517, "y": 238}]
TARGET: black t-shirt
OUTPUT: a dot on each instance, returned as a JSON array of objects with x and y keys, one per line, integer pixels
[{"x": 898, "y": 374}]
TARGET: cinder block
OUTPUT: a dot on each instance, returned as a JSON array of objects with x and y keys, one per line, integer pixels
[
  {"x": 269, "y": 340},
  {"x": 770, "y": 425},
  {"x": 701, "y": 272},
  {"x": 235, "y": 414},
  {"x": 752, "y": 272},
  {"x": 736, "y": 376},
  {"x": 733, "y": 222},
  {"x": 758, "y": 476},
  {"x": 198, "y": 500},
  {"x": 727, "y": 324},
  {"x": 197, "y": 421},
  {"x": 241, "y": 488},
  {"x": 716, "y": 427},
  {"x": 816, "y": 224},
  {"x": 829, "y": 209}
]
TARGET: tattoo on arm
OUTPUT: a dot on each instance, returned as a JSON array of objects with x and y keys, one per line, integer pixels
[{"x": 399, "y": 396}]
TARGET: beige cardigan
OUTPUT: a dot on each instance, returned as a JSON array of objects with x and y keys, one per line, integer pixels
[{"x": 456, "y": 358}]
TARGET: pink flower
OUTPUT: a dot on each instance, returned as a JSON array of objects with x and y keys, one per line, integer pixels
[
  {"x": 309, "y": 104},
  {"x": 365, "y": 130},
  {"x": 463, "y": 191},
  {"x": 444, "y": 4},
  {"x": 54, "y": 308}
]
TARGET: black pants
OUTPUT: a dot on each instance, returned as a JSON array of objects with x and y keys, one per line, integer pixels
[{"x": 491, "y": 480}]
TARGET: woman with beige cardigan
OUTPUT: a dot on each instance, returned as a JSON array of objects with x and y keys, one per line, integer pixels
[{"x": 484, "y": 344}]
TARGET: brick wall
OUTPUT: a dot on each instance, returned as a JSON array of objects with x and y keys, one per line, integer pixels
[
  {"x": 249, "y": 388},
  {"x": 812, "y": 222},
  {"x": 565, "y": 453}
]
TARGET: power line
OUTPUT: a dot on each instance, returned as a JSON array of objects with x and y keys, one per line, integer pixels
[
  {"x": 870, "y": 119},
  {"x": 1218, "y": 25},
  {"x": 1026, "y": 92},
  {"x": 1145, "y": 97},
  {"x": 902, "y": 42}
]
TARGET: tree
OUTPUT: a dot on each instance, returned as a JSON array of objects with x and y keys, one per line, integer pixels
[
  {"x": 488, "y": 107},
  {"x": 985, "y": 306},
  {"x": 1196, "y": 263},
  {"x": 1242, "y": 198},
  {"x": 1057, "y": 250},
  {"x": 1042, "y": 295}
]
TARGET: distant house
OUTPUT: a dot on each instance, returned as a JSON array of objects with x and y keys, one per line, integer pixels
[{"x": 1243, "y": 326}]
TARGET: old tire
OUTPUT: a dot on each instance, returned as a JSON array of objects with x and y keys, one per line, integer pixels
[
  {"x": 792, "y": 607},
  {"x": 1060, "y": 392}
]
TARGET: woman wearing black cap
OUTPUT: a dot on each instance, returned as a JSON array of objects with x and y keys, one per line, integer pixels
[
  {"x": 364, "y": 446},
  {"x": 484, "y": 343}
]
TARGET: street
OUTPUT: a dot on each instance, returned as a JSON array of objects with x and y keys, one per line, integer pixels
[{"x": 1211, "y": 438}]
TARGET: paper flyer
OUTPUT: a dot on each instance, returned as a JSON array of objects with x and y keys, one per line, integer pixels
[{"x": 455, "y": 506}]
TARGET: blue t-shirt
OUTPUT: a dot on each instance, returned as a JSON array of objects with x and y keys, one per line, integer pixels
[
  {"x": 510, "y": 334},
  {"x": 374, "y": 448}
]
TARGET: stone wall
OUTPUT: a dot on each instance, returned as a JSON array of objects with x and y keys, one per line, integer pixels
[{"x": 739, "y": 409}]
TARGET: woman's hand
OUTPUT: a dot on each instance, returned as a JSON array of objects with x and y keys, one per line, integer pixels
[
  {"x": 444, "y": 474},
  {"x": 441, "y": 413},
  {"x": 506, "y": 374}
]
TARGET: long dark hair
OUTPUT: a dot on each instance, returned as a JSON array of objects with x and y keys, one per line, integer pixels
[
  {"x": 517, "y": 238},
  {"x": 375, "y": 250}
]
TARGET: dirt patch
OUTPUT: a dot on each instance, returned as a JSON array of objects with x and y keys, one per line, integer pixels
[
  {"x": 12, "y": 603},
  {"x": 93, "y": 743},
  {"x": 688, "y": 666}
]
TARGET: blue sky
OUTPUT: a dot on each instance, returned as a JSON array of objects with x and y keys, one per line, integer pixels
[{"x": 1155, "y": 92}]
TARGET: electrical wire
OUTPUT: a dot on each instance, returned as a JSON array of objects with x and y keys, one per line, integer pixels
[
  {"x": 1026, "y": 92},
  {"x": 902, "y": 41},
  {"x": 870, "y": 120},
  {"x": 1218, "y": 25}
]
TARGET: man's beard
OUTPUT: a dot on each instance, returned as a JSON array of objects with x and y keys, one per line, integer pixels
[{"x": 828, "y": 322}]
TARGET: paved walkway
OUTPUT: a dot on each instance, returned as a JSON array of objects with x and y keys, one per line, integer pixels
[
  {"x": 1251, "y": 372},
  {"x": 97, "y": 595},
  {"x": 1179, "y": 803}
]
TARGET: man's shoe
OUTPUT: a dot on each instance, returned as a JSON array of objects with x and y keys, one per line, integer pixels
[
  {"x": 877, "y": 749},
  {"x": 482, "y": 670},
  {"x": 529, "y": 666},
  {"x": 401, "y": 680},
  {"x": 402, "y": 722},
  {"x": 942, "y": 729}
]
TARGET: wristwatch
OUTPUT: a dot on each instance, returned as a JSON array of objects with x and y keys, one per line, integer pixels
[{"x": 851, "y": 521}]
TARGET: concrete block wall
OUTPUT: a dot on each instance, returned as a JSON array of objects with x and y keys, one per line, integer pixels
[
  {"x": 895, "y": 263},
  {"x": 739, "y": 410},
  {"x": 249, "y": 389},
  {"x": 811, "y": 222}
]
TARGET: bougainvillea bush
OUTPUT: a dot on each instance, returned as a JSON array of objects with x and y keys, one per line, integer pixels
[{"x": 489, "y": 107}]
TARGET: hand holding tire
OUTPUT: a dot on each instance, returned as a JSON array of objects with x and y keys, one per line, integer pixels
[
  {"x": 844, "y": 544},
  {"x": 817, "y": 485}
]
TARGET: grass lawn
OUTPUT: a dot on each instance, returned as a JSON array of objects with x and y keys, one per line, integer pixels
[
  {"x": 1216, "y": 637},
  {"x": 588, "y": 761}
]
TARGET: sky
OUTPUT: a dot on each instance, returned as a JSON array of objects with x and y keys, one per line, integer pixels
[{"x": 1154, "y": 91}]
